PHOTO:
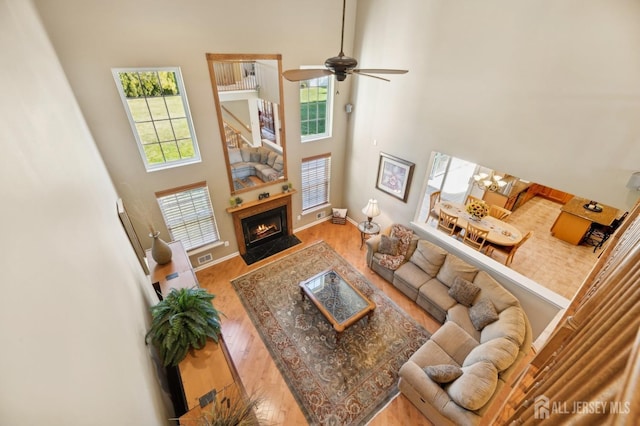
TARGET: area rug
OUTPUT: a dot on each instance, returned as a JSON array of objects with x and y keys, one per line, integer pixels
[
  {"x": 343, "y": 383},
  {"x": 243, "y": 183}
]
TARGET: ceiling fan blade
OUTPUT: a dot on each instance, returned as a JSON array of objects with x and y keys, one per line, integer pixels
[
  {"x": 369, "y": 75},
  {"x": 381, "y": 71},
  {"x": 299, "y": 75}
]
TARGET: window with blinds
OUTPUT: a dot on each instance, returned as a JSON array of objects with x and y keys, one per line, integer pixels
[
  {"x": 316, "y": 177},
  {"x": 188, "y": 214}
]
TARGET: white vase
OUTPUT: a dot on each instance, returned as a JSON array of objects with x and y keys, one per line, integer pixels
[{"x": 160, "y": 250}]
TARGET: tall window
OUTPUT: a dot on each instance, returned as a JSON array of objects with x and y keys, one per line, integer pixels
[
  {"x": 188, "y": 214},
  {"x": 316, "y": 99},
  {"x": 156, "y": 103},
  {"x": 316, "y": 177}
]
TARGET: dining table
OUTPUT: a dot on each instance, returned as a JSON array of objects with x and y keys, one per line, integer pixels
[{"x": 500, "y": 232}]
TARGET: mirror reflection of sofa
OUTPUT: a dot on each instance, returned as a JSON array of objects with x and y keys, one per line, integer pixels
[
  {"x": 456, "y": 375},
  {"x": 261, "y": 162}
]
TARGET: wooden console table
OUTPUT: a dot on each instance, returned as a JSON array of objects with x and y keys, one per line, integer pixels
[
  {"x": 176, "y": 274},
  {"x": 207, "y": 374}
]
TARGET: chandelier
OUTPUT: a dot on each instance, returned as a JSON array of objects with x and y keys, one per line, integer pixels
[{"x": 489, "y": 182}]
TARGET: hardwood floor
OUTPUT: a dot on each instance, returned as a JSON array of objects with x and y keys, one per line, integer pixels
[
  {"x": 257, "y": 370},
  {"x": 553, "y": 263}
]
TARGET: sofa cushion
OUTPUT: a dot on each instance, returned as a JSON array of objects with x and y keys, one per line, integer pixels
[
  {"x": 246, "y": 154},
  {"x": 264, "y": 155},
  {"x": 432, "y": 354},
  {"x": 460, "y": 315},
  {"x": 388, "y": 245},
  {"x": 482, "y": 314},
  {"x": 278, "y": 165},
  {"x": 408, "y": 278},
  {"x": 510, "y": 324},
  {"x": 271, "y": 160},
  {"x": 254, "y": 155},
  {"x": 475, "y": 387},
  {"x": 235, "y": 156},
  {"x": 454, "y": 341},
  {"x": 463, "y": 291},
  {"x": 454, "y": 266},
  {"x": 443, "y": 373},
  {"x": 491, "y": 289},
  {"x": 499, "y": 352},
  {"x": 428, "y": 257}
]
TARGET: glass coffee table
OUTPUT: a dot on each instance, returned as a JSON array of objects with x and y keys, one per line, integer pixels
[{"x": 340, "y": 303}]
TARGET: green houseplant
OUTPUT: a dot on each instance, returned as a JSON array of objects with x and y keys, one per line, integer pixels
[{"x": 181, "y": 321}]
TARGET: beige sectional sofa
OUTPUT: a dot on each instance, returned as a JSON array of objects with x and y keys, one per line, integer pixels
[
  {"x": 262, "y": 162},
  {"x": 460, "y": 370}
]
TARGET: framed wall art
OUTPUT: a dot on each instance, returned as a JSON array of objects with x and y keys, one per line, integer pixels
[{"x": 394, "y": 176}]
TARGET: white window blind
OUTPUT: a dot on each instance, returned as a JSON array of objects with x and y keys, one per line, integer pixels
[
  {"x": 188, "y": 214},
  {"x": 316, "y": 177}
]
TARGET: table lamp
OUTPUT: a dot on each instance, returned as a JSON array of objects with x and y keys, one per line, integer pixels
[{"x": 371, "y": 210}]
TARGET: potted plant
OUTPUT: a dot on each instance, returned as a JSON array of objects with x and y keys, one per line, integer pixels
[
  {"x": 230, "y": 408},
  {"x": 183, "y": 320},
  {"x": 239, "y": 201}
]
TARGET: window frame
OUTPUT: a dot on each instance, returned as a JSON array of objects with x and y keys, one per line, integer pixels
[
  {"x": 208, "y": 219},
  {"x": 329, "y": 107},
  {"x": 149, "y": 166},
  {"x": 317, "y": 190}
]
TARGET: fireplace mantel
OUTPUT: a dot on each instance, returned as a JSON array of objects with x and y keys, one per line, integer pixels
[{"x": 252, "y": 208}]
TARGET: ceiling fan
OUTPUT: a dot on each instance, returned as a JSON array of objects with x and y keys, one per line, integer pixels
[{"x": 340, "y": 65}]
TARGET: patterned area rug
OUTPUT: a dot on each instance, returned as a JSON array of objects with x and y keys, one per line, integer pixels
[
  {"x": 334, "y": 384},
  {"x": 243, "y": 183}
]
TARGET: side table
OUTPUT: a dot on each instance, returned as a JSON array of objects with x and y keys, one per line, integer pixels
[{"x": 367, "y": 229}]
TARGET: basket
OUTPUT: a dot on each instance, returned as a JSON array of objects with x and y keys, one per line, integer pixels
[{"x": 339, "y": 216}]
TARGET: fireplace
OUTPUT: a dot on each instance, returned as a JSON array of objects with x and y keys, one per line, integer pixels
[{"x": 264, "y": 227}]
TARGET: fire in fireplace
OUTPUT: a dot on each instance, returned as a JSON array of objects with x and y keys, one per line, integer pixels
[{"x": 264, "y": 227}]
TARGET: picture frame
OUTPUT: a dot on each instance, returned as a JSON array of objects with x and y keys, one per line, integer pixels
[{"x": 394, "y": 176}]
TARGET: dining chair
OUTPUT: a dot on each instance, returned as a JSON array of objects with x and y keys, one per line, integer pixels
[
  {"x": 471, "y": 198},
  {"x": 474, "y": 236},
  {"x": 433, "y": 199},
  {"x": 499, "y": 212},
  {"x": 509, "y": 251},
  {"x": 448, "y": 222}
]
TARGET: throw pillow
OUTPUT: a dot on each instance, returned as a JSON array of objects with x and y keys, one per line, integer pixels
[
  {"x": 463, "y": 291},
  {"x": 443, "y": 373},
  {"x": 475, "y": 387},
  {"x": 341, "y": 213},
  {"x": 482, "y": 314},
  {"x": 404, "y": 235},
  {"x": 388, "y": 245}
]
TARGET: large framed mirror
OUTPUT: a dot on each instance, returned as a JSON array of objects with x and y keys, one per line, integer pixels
[{"x": 247, "y": 90}]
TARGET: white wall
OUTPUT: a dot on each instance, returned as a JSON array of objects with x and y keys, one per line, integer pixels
[
  {"x": 545, "y": 90},
  {"x": 92, "y": 36},
  {"x": 73, "y": 309}
]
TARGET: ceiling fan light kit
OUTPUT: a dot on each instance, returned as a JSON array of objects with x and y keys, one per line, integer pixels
[{"x": 340, "y": 65}]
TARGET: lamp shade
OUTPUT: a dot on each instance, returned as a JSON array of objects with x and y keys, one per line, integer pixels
[
  {"x": 634, "y": 181},
  {"x": 371, "y": 209}
]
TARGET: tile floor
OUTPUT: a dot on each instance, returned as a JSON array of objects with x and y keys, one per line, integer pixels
[{"x": 551, "y": 262}]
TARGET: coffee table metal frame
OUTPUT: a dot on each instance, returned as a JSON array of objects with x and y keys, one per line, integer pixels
[{"x": 344, "y": 299}]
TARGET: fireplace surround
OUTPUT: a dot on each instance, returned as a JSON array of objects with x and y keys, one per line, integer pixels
[{"x": 261, "y": 221}]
